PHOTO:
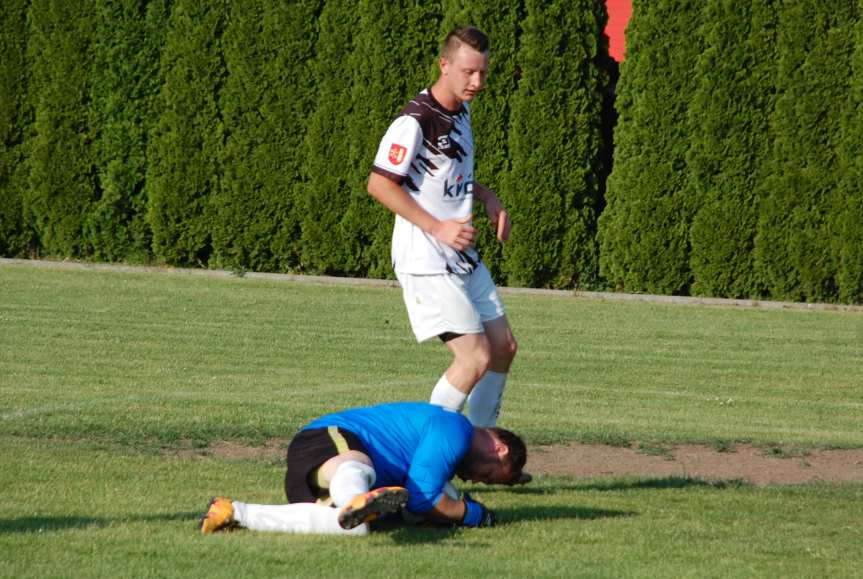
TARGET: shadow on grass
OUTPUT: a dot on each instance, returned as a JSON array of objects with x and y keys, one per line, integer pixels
[
  {"x": 23, "y": 525},
  {"x": 664, "y": 483},
  {"x": 49, "y": 524},
  {"x": 415, "y": 535},
  {"x": 548, "y": 513}
]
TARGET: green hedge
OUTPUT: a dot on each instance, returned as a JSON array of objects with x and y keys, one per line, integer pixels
[
  {"x": 796, "y": 244},
  {"x": 125, "y": 82},
  {"x": 850, "y": 217},
  {"x": 555, "y": 146},
  {"x": 736, "y": 152},
  {"x": 185, "y": 147},
  {"x": 730, "y": 144},
  {"x": 644, "y": 230},
  {"x": 240, "y": 135},
  {"x": 14, "y": 120},
  {"x": 60, "y": 158},
  {"x": 268, "y": 94}
]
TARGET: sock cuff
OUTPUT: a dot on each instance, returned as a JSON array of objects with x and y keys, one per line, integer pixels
[{"x": 446, "y": 395}]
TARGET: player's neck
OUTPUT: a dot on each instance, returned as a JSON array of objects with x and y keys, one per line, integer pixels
[{"x": 445, "y": 97}]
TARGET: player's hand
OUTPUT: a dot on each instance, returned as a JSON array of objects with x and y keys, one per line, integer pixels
[
  {"x": 457, "y": 233},
  {"x": 499, "y": 218},
  {"x": 476, "y": 514}
]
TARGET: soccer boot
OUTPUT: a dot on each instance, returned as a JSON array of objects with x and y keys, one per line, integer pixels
[
  {"x": 372, "y": 505},
  {"x": 219, "y": 515}
]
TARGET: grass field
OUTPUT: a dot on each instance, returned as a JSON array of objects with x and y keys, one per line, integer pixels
[{"x": 104, "y": 375}]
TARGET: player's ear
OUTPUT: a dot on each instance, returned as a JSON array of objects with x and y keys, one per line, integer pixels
[{"x": 501, "y": 449}]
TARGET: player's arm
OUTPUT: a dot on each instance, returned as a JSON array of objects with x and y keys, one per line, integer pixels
[
  {"x": 464, "y": 511},
  {"x": 494, "y": 209},
  {"x": 458, "y": 234}
]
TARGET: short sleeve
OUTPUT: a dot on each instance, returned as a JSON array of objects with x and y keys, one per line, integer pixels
[
  {"x": 398, "y": 148},
  {"x": 445, "y": 442}
]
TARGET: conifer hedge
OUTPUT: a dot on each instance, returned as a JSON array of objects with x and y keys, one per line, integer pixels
[
  {"x": 730, "y": 144},
  {"x": 555, "y": 147},
  {"x": 61, "y": 167},
  {"x": 268, "y": 95},
  {"x": 796, "y": 244},
  {"x": 240, "y": 135},
  {"x": 850, "y": 215},
  {"x": 185, "y": 147},
  {"x": 125, "y": 83},
  {"x": 14, "y": 238},
  {"x": 644, "y": 229},
  {"x": 392, "y": 50},
  {"x": 326, "y": 148}
]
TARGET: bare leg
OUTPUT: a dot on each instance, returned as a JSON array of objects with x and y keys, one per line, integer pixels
[{"x": 485, "y": 398}]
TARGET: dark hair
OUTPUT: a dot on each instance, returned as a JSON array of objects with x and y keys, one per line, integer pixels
[
  {"x": 517, "y": 455},
  {"x": 473, "y": 37}
]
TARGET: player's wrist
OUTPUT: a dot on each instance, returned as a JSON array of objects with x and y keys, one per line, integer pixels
[{"x": 476, "y": 514}]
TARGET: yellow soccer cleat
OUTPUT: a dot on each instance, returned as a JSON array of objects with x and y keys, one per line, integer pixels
[
  {"x": 219, "y": 516},
  {"x": 372, "y": 505}
]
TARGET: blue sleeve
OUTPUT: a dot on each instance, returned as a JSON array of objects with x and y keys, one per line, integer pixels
[{"x": 445, "y": 442}]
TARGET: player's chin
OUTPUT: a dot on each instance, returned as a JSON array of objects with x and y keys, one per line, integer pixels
[{"x": 468, "y": 96}]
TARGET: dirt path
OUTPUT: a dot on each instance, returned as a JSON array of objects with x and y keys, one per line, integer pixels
[{"x": 753, "y": 464}]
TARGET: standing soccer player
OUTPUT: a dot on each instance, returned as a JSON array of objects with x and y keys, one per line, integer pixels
[{"x": 424, "y": 173}]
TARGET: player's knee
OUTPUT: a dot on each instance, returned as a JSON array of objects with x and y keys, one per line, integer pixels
[
  {"x": 504, "y": 352},
  {"x": 510, "y": 348},
  {"x": 478, "y": 362}
]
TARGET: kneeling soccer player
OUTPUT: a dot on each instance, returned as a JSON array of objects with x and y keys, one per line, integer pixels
[{"x": 349, "y": 468}]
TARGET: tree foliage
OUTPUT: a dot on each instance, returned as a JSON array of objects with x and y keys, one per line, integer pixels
[
  {"x": 730, "y": 144},
  {"x": 14, "y": 120},
  {"x": 644, "y": 230},
  {"x": 61, "y": 183},
  {"x": 186, "y": 144},
  {"x": 268, "y": 95},
  {"x": 555, "y": 144}
]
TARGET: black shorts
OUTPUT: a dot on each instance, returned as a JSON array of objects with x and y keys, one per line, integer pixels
[{"x": 310, "y": 449}]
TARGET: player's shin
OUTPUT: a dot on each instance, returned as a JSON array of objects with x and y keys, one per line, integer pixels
[
  {"x": 485, "y": 399},
  {"x": 302, "y": 518}
]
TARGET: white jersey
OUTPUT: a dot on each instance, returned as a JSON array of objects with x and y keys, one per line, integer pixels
[{"x": 428, "y": 150}]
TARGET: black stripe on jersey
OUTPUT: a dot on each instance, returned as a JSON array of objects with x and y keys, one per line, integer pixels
[
  {"x": 458, "y": 152},
  {"x": 426, "y": 164},
  {"x": 398, "y": 179},
  {"x": 436, "y": 122},
  {"x": 409, "y": 183}
]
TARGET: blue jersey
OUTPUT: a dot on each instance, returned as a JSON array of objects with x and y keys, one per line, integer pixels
[{"x": 412, "y": 444}]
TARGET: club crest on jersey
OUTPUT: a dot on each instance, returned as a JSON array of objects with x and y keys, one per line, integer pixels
[
  {"x": 443, "y": 142},
  {"x": 397, "y": 154}
]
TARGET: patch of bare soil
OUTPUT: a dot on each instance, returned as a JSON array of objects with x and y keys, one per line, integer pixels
[{"x": 757, "y": 465}]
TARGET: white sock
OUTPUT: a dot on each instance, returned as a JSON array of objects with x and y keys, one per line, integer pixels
[
  {"x": 351, "y": 478},
  {"x": 305, "y": 518},
  {"x": 485, "y": 399},
  {"x": 446, "y": 395}
]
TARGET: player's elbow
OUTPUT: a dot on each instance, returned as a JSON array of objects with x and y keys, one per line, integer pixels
[{"x": 370, "y": 185}]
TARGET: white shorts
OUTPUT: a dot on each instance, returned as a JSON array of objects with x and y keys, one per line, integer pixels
[{"x": 440, "y": 303}]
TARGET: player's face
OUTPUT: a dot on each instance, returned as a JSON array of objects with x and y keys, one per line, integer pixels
[
  {"x": 489, "y": 467},
  {"x": 465, "y": 71},
  {"x": 490, "y": 473}
]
